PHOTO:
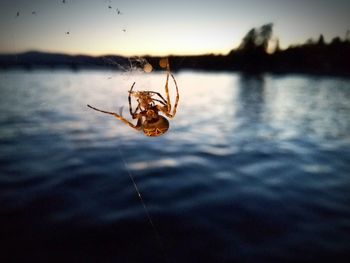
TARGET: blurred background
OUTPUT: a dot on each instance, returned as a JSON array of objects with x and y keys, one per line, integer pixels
[{"x": 255, "y": 165}]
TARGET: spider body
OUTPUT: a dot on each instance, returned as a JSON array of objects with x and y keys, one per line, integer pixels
[
  {"x": 155, "y": 127},
  {"x": 150, "y": 105}
]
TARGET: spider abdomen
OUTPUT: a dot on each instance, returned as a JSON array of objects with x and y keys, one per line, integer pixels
[{"x": 155, "y": 127}]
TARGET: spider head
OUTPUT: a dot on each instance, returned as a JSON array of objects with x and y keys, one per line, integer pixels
[
  {"x": 155, "y": 126},
  {"x": 151, "y": 114},
  {"x": 144, "y": 98}
]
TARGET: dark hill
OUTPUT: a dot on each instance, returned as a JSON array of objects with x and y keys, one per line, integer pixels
[{"x": 316, "y": 57}]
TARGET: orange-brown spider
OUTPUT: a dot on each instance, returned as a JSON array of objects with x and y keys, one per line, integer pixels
[{"x": 147, "y": 111}]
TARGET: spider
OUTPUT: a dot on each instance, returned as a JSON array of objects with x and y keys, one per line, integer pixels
[{"x": 150, "y": 104}]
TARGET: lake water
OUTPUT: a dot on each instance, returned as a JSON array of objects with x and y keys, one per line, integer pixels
[{"x": 252, "y": 169}]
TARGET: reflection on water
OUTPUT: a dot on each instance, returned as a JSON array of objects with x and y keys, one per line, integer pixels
[{"x": 252, "y": 167}]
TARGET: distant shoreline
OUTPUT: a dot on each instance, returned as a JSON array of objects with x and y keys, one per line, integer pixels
[
  {"x": 251, "y": 57},
  {"x": 267, "y": 63}
]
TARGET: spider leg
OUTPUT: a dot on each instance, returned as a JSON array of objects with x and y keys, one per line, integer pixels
[
  {"x": 177, "y": 96},
  {"x": 157, "y": 93},
  {"x": 167, "y": 112},
  {"x": 167, "y": 90},
  {"x": 134, "y": 115},
  {"x": 129, "y": 98},
  {"x": 160, "y": 101},
  {"x": 137, "y": 126}
]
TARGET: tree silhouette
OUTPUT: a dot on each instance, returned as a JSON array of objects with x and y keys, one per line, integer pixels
[
  {"x": 257, "y": 40},
  {"x": 320, "y": 41},
  {"x": 251, "y": 56}
]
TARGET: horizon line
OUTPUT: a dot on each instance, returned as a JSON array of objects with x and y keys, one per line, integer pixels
[{"x": 209, "y": 53}]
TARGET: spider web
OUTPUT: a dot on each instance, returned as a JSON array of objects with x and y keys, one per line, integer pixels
[
  {"x": 137, "y": 66},
  {"x": 127, "y": 68},
  {"x": 135, "y": 69},
  {"x": 130, "y": 69}
]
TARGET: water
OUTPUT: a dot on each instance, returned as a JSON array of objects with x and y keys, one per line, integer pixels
[{"x": 253, "y": 169}]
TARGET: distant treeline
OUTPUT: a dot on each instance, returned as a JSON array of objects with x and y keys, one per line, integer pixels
[{"x": 254, "y": 55}]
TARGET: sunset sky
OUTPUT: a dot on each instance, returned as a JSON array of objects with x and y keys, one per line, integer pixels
[{"x": 156, "y": 27}]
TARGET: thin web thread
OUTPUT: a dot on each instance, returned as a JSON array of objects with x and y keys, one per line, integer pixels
[{"x": 156, "y": 233}]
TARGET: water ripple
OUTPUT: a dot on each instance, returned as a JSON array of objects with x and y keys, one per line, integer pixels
[{"x": 258, "y": 169}]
